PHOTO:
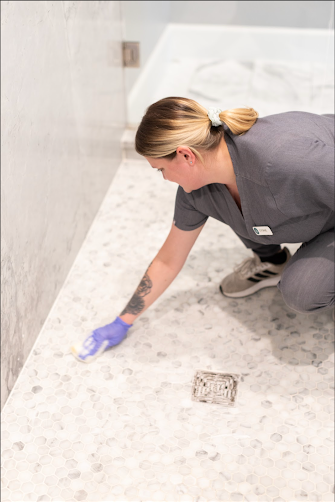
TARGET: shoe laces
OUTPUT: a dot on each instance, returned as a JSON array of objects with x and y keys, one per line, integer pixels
[{"x": 250, "y": 266}]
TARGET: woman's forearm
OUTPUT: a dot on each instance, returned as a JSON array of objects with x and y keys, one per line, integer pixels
[{"x": 155, "y": 281}]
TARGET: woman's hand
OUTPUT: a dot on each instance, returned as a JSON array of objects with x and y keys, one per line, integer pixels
[
  {"x": 100, "y": 340},
  {"x": 159, "y": 275}
]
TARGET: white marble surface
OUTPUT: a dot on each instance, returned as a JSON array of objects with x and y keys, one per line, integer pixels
[
  {"x": 188, "y": 57},
  {"x": 124, "y": 428},
  {"x": 268, "y": 86}
]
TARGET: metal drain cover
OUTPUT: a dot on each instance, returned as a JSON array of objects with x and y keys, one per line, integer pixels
[{"x": 215, "y": 388}]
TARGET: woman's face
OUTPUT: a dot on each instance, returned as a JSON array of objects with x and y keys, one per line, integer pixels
[{"x": 184, "y": 169}]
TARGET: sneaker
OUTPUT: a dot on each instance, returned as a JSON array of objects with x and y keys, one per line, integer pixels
[
  {"x": 251, "y": 276},
  {"x": 92, "y": 347}
]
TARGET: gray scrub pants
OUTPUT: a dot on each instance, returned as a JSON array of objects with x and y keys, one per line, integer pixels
[{"x": 308, "y": 280}]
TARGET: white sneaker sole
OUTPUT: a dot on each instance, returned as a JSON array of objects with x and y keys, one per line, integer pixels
[{"x": 266, "y": 283}]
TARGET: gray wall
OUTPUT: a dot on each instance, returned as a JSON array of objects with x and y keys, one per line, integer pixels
[
  {"x": 282, "y": 14},
  {"x": 62, "y": 117},
  {"x": 143, "y": 22}
]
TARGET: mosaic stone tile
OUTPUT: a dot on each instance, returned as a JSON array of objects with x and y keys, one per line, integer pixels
[{"x": 125, "y": 427}]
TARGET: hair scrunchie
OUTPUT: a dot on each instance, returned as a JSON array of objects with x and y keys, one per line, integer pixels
[{"x": 213, "y": 114}]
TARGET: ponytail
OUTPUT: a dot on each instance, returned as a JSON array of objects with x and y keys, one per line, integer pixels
[
  {"x": 239, "y": 120},
  {"x": 172, "y": 122}
]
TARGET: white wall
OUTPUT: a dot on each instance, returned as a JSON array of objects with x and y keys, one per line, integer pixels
[
  {"x": 291, "y": 14},
  {"x": 143, "y": 22},
  {"x": 62, "y": 117}
]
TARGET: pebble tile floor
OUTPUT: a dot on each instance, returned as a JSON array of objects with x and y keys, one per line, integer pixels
[{"x": 124, "y": 428}]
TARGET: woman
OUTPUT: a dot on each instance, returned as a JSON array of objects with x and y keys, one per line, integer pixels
[{"x": 270, "y": 179}]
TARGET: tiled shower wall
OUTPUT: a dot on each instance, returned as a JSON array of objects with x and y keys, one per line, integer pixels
[{"x": 62, "y": 117}]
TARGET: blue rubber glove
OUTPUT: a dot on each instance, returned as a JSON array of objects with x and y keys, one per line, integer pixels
[{"x": 100, "y": 340}]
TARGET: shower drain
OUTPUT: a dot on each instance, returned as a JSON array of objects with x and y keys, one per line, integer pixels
[{"x": 215, "y": 388}]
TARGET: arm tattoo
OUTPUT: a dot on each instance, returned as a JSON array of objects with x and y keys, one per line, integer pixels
[{"x": 136, "y": 303}]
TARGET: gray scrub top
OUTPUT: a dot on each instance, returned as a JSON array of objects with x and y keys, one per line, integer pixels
[{"x": 284, "y": 167}]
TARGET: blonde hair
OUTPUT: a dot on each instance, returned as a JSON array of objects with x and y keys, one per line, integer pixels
[{"x": 174, "y": 121}]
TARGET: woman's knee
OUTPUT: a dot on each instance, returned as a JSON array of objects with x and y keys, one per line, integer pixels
[
  {"x": 307, "y": 282},
  {"x": 304, "y": 295}
]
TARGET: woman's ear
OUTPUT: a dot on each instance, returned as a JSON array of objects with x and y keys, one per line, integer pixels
[{"x": 186, "y": 153}]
